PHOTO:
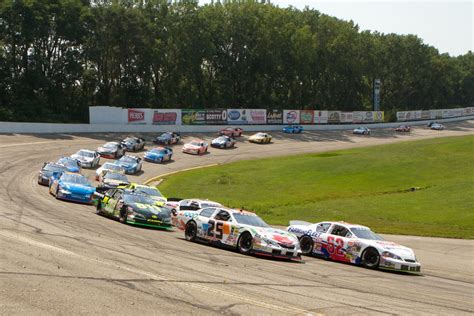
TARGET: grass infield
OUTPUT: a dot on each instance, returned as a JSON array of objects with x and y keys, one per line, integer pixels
[{"x": 423, "y": 188}]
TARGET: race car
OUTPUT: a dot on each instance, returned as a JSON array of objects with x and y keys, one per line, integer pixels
[
  {"x": 188, "y": 205},
  {"x": 352, "y": 243},
  {"x": 437, "y": 126},
  {"x": 223, "y": 142},
  {"x": 108, "y": 166},
  {"x": 293, "y": 129},
  {"x": 111, "y": 150},
  {"x": 158, "y": 154},
  {"x": 168, "y": 138},
  {"x": 47, "y": 171},
  {"x": 196, "y": 147},
  {"x": 231, "y": 131},
  {"x": 151, "y": 192},
  {"x": 260, "y": 138},
  {"x": 131, "y": 164},
  {"x": 109, "y": 180},
  {"x": 361, "y": 131},
  {"x": 133, "y": 143},
  {"x": 403, "y": 128},
  {"x": 240, "y": 230},
  {"x": 71, "y": 187},
  {"x": 133, "y": 208},
  {"x": 72, "y": 165},
  {"x": 87, "y": 158}
]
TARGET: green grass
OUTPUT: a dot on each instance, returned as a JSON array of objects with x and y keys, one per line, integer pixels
[{"x": 369, "y": 186}]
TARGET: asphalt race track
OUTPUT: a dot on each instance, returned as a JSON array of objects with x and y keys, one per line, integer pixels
[{"x": 61, "y": 258}]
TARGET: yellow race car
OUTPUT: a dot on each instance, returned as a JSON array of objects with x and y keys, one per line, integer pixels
[
  {"x": 151, "y": 192},
  {"x": 260, "y": 138}
]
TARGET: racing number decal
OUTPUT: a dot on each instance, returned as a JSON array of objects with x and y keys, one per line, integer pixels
[
  {"x": 335, "y": 246},
  {"x": 219, "y": 229},
  {"x": 210, "y": 229}
]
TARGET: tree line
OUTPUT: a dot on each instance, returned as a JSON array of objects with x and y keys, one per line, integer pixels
[{"x": 57, "y": 57}]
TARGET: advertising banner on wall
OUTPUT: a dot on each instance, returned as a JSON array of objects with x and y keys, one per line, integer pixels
[
  {"x": 193, "y": 117},
  {"x": 425, "y": 115},
  {"x": 346, "y": 117},
  {"x": 166, "y": 117},
  {"x": 306, "y": 116},
  {"x": 274, "y": 117},
  {"x": 137, "y": 116},
  {"x": 291, "y": 116},
  {"x": 237, "y": 116},
  {"x": 257, "y": 116},
  {"x": 321, "y": 117},
  {"x": 334, "y": 117},
  {"x": 216, "y": 117}
]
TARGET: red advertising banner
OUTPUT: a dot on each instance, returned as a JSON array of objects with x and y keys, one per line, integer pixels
[{"x": 136, "y": 116}]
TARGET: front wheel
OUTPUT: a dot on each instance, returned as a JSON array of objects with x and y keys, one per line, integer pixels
[
  {"x": 245, "y": 243},
  {"x": 306, "y": 244},
  {"x": 190, "y": 231},
  {"x": 123, "y": 217},
  {"x": 371, "y": 258},
  {"x": 98, "y": 209}
]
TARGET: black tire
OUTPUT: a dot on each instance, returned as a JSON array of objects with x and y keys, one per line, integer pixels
[
  {"x": 98, "y": 209},
  {"x": 123, "y": 216},
  {"x": 245, "y": 243},
  {"x": 306, "y": 244},
  {"x": 190, "y": 231},
  {"x": 57, "y": 191},
  {"x": 371, "y": 258}
]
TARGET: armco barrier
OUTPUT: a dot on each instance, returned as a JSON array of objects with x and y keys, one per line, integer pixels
[{"x": 45, "y": 128}]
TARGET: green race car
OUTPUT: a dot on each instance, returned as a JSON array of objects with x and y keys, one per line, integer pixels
[
  {"x": 151, "y": 192},
  {"x": 131, "y": 207}
]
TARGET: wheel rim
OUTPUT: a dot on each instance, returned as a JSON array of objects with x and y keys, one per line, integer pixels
[
  {"x": 306, "y": 244},
  {"x": 190, "y": 231},
  {"x": 371, "y": 258},
  {"x": 246, "y": 243}
]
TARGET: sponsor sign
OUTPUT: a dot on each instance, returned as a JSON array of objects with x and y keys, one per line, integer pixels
[
  {"x": 346, "y": 117},
  {"x": 257, "y": 116},
  {"x": 379, "y": 116},
  {"x": 425, "y": 115},
  {"x": 334, "y": 117},
  {"x": 193, "y": 117},
  {"x": 166, "y": 117},
  {"x": 321, "y": 117},
  {"x": 216, "y": 117},
  {"x": 136, "y": 116},
  {"x": 291, "y": 116},
  {"x": 237, "y": 116},
  {"x": 306, "y": 116},
  {"x": 274, "y": 117}
]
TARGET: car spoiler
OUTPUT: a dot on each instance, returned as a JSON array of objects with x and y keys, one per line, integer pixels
[{"x": 296, "y": 222}]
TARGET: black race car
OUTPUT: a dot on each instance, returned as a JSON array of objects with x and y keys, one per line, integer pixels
[
  {"x": 133, "y": 143},
  {"x": 167, "y": 138},
  {"x": 112, "y": 150},
  {"x": 111, "y": 180},
  {"x": 131, "y": 207},
  {"x": 47, "y": 171}
]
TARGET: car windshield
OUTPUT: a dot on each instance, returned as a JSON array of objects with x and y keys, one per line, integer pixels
[
  {"x": 149, "y": 191},
  {"x": 165, "y": 135},
  {"x": 75, "y": 178},
  {"x": 85, "y": 153},
  {"x": 195, "y": 143},
  {"x": 365, "y": 233},
  {"x": 158, "y": 151},
  {"x": 221, "y": 139},
  {"x": 129, "y": 140},
  {"x": 54, "y": 168},
  {"x": 116, "y": 176},
  {"x": 111, "y": 166},
  {"x": 68, "y": 162},
  {"x": 110, "y": 145},
  {"x": 128, "y": 159},
  {"x": 260, "y": 135},
  {"x": 137, "y": 198},
  {"x": 252, "y": 220}
]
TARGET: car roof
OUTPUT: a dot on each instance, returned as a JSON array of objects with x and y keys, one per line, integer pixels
[
  {"x": 86, "y": 150},
  {"x": 237, "y": 211}
]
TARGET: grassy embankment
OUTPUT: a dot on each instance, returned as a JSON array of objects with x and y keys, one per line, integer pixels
[{"x": 370, "y": 186}]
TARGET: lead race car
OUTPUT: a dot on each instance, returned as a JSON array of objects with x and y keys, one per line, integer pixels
[
  {"x": 240, "y": 230},
  {"x": 355, "y": 244},
  {"x": 71, "y": 187}
]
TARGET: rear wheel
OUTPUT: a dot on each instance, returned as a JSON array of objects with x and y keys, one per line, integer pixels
[
  {"x": 190, "y": 231},
  {"x": 306, "y": 244},
  {"x": 370, "y": 258},
  {"x": 123, "y": 216},
  {"x": 245, "y": 243}
]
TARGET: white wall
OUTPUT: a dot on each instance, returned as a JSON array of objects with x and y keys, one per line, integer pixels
[{"x": 44, "y": 128}]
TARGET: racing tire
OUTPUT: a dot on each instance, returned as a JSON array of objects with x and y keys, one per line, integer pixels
[
  {"x": 245, "y": 243},
  {"x": 370, "y": 258},
  {"x": 56, "y": 193},
  {"x": 190, "y": 231},
  {"x": 306, "y": 244},
  {"x": 123, "y": 216},
  {"x": 98, "y": 209}
]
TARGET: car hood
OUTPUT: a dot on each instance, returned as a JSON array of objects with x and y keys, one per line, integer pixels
[
  {"x": 106, "y": 150},
  {"x": 150, "y": 210},
  {"x": 191, "y": 146},
  {"x": 399, "y": 250},
  {"x": 77, "y": 188},
  {"x": 82, "y": 158},
  {"x": 150, "y": 154},
  {"x": 218, "y": 141},
  {"x": 127, "y": 165}
]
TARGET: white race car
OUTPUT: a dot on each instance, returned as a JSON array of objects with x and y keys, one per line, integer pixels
[
  {"x": 108, "y": 166},
  {"x": 361, "y": 131},
  {"x": 240, "y": 230},
  {"x": 87, "y": 158},
  {"x": 355, "y": 244},
  {"x": 187, "y": 205}
]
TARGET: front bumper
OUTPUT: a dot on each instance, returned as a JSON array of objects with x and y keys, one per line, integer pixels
[
  {"x": 149, "y": 159},
  {"x": 107, "y": 154},
  {"x": 154, "y": 223},
  {"x": 191, "y": 151},
  {"x": 85, "y": 164},
  {"x": 76, "y": 198},
  {"x": 262, "y": 249},
  {"x": 399, "y": 265}
]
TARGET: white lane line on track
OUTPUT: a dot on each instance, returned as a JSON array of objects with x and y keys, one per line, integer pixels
[
  {"x": 173, "y": 172},
  {"x": 31, "y": 143},
  {"x": 287, "y": 309}
]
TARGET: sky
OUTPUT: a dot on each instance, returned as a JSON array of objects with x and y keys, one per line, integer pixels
[{"x": 444, "y": 24}]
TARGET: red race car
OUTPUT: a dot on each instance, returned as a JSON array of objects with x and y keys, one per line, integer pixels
[
  {"x": 403, "y": 128},
  {"x": 196, "y": 147},
  {"x": 231, "y": 131}
]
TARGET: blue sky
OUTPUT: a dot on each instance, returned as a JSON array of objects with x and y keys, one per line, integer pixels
[{"x": 446, "y": 25}]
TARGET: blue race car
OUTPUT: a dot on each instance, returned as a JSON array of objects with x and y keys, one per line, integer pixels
[
  {"x": 293, "y": 129},
  {"x": 158, "y": 154},
  {"x": 131, "y": 164},
  {"x": 49, "y": 168},
  {"x": 71, "y": 164},
  {"x": 71, "y": 187}
]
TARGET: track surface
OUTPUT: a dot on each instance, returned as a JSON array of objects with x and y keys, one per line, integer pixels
[{"x": 62, "y": 258}]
